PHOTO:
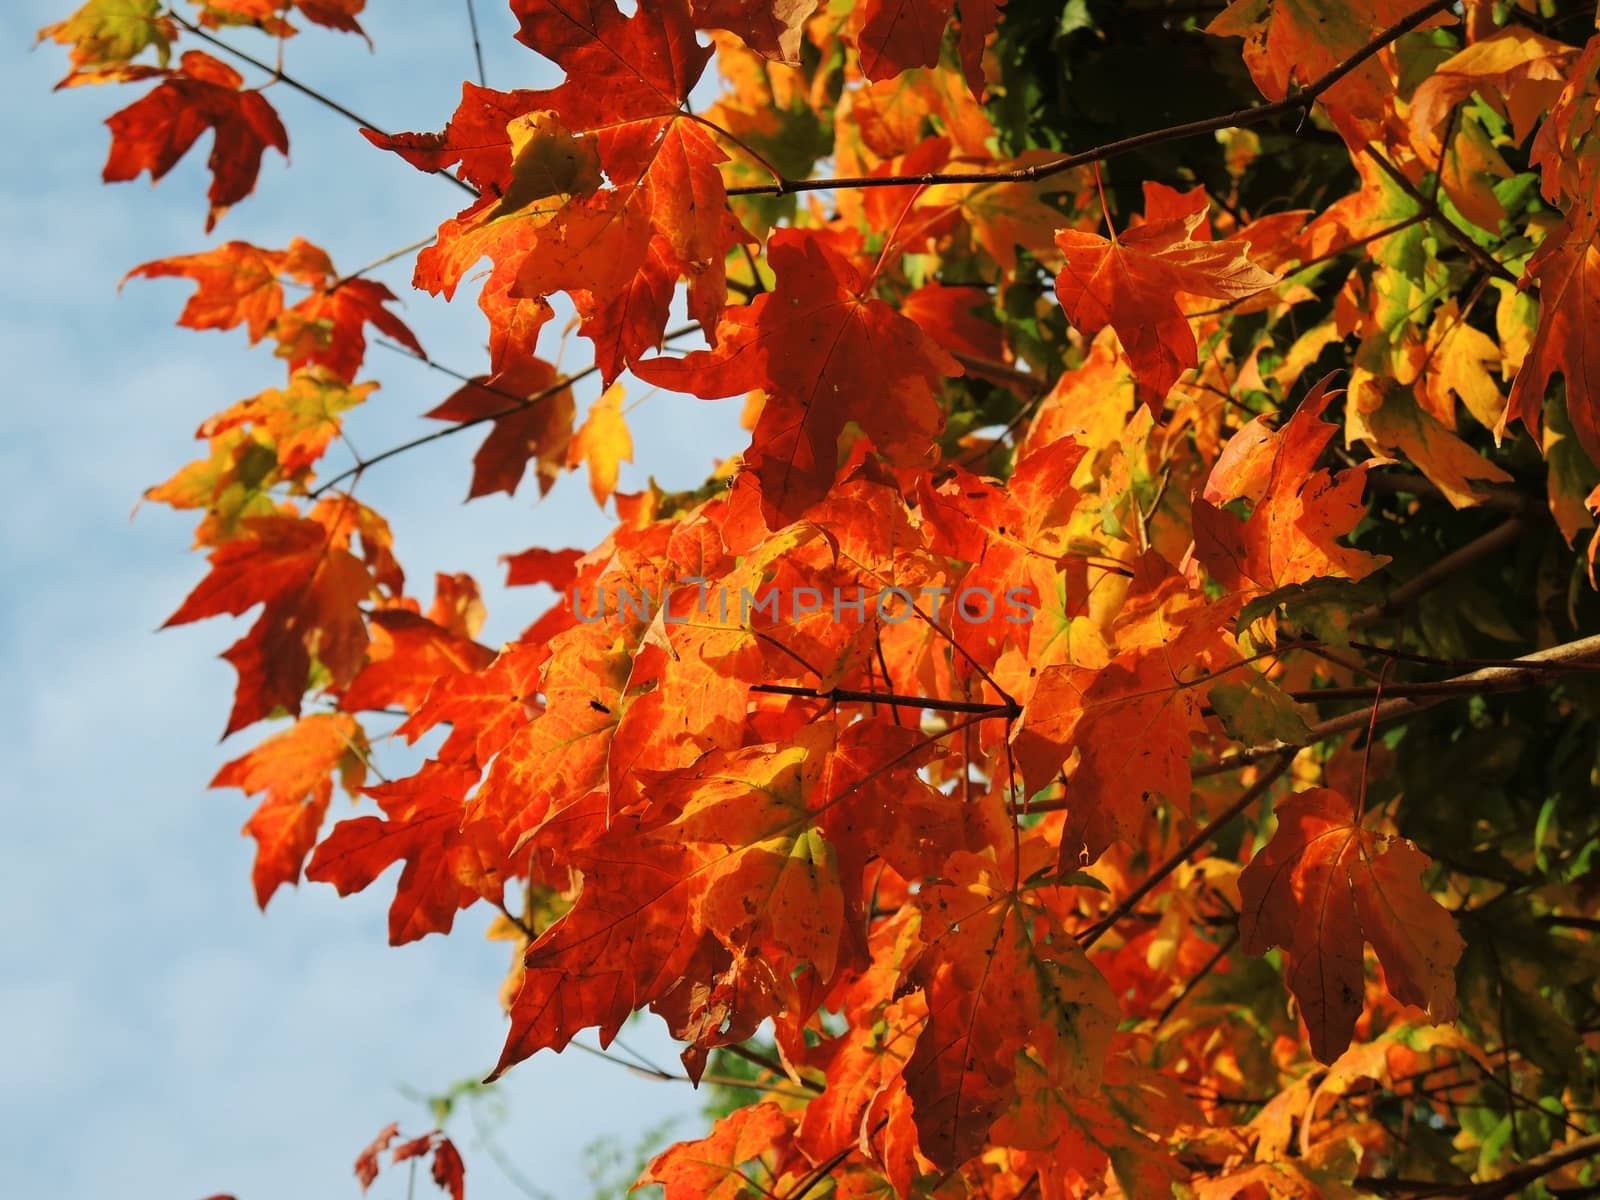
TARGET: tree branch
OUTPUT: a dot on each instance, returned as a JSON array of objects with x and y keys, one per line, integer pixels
[
  {"x": 1509, "y": 1184},
  {"x": 1456, "y": 561},
  {"x": 1250, "y": 795},
  {"x": 1525, "y": 672},
  {"x": 304, "y": 89},
  {"x": 518, "y": 404},
  {"x": 1238, "y": 118},
  {"x": 1455, "y": 233}
]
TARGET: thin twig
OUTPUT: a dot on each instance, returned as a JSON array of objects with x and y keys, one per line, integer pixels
[
  {"x": 518, "y": 404},
  {"x": 1453, "y": 231},
  {"x": 1008, "y": 709},
  {"x": 1250, "y": 795},
  {"x": 304, "y": 89},
  {"x": 477, "y": 44}
]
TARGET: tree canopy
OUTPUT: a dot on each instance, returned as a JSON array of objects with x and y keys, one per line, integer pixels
[{"x": 1125, "y": 724}]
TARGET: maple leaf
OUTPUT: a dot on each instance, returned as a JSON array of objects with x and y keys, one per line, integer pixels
[
  {"x": 532, "y": 411},
  {"x": 311, "y": 588},
  {"x": 298, "y": 422},
  {"x": 1001, "y": 977},
  {"x": 619, "y": 250},
  {"x": 1131, "y": 724},
  {"x": 1567, "y": 268},
  {"x": 1319, "y": 886},
  {"x": 897, "y": 35},
  {"x": 448, "y": 1171},
  {"x": 1299, "y": 509},
  {"x": 328, "y": 326},
  {"x": 713, "y": 1168},
  {"x": 1133, "y": 282},
  {"x": 554, "y": 568},
  {"x": 295, "y": 769},
  {"x": 1296, "y": 42},
  {"x": 559, "y": 756},
  {"x": 773, "y": 28},
  {"x": 604, "y": 443},
  {"x": 1383, "y": 415},
  {"x": 239, "y": 284},
  {"x": 483, "y": 708},
  {"x": 422, "y": 826},
  {"x": 107, "y": 35},
  {"x": 334, "y": 14},
  {"x": 407, "y": 656},
  {"x": 152, "y": 134},
  {"x": 826, "y": 352}
]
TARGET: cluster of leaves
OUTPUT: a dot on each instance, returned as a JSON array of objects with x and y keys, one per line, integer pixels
[{"x": 1260, "y": 861}]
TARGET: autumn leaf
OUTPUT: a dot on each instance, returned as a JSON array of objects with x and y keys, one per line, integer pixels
[
  {"x": 604, "y": 443},
  {"x": 532, "y": 413},
  {"x": 1299, "y": 509},
  {"x": 422, "y": 826},
  {"x": 825, "y": 350},
  {"x": 1134, "y": 282},
  {"x": 238, "y": 285},
  {"x": 300, "y": 421},
  {"x": 241, "y": 284},
  {"x": 1322, "y": 884},
  {"x": 617, "y": 251},
  {"x": 105, "y": 36},
  {"x": 295, "y": 769},
  {"x": 1567, "y": 268},
  {"x": 715, "y": 1167},
  {"x": 1128, "y": 727},
  {"x": 1296, "y": 42},
  {"x": 1001, "y": 978},
  {"x": 408, "y": 655},
  {"x": 773, "y": 28},
  {"x": 897, "y": 35},
  {"x": 311, "y": 588},
  {"x": 154, "y": 133}
]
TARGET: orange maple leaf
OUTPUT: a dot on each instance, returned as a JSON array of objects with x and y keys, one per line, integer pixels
[
  {"x": 538, "y": 157},
  {"x": 295, "y": 769},
  {"x": 446, "y": 867},
  {"x": 826, "y": 351},
  {"x": 1003, "y": 979},
  {"x": 1299, "y": 510},
  {"x": 312, "y": 589},
  {"x": 532, "y": 422},
  {"x": 1134, "y": 282},
  {"x": 713, "y": 1167},
  {"x": 1322, "y": 883}
]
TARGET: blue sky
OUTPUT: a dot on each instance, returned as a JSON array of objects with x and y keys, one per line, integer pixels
[{"x": 164, "y": 1039}]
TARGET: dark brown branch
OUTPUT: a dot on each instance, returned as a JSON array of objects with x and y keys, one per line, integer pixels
[
  {"x": 1453, "y": 231},
  {"x": 1456, "y": 561},
  {"x": 1502, "y": 496},
  {"x": 1510, "y": 1184},
  {"x": 477, "y": 43},
  {"x": 1473, "y": 663},
  {"x": 1528, "y": 671},
  {"x": 1199, "y": 976},
  {"x": 1008, "y": 709},
  {"x": 1253, "y": 115}
]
